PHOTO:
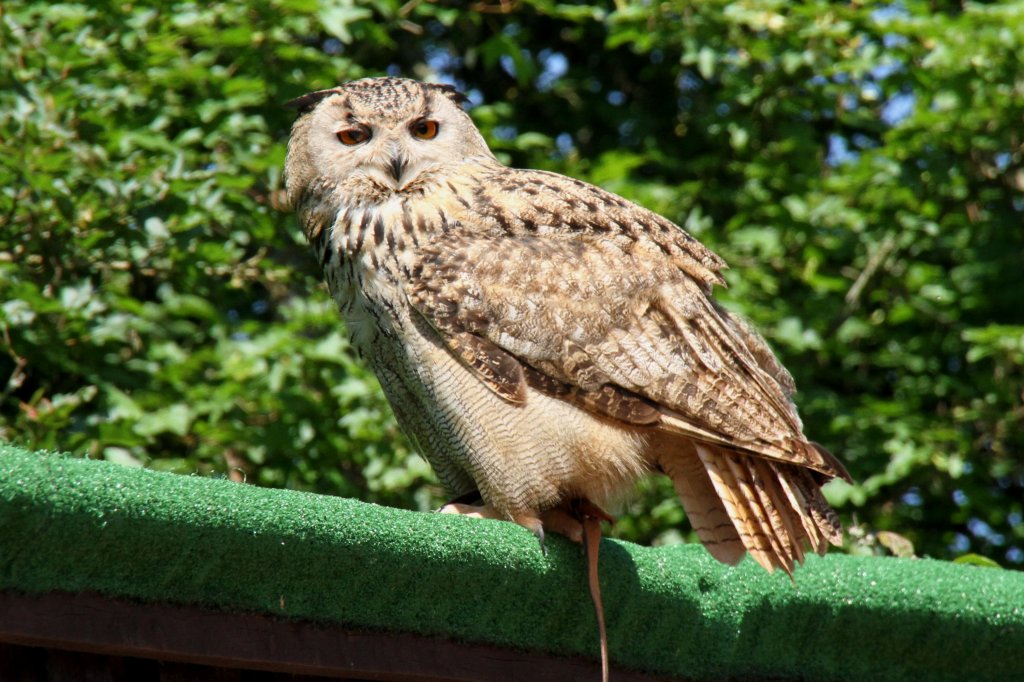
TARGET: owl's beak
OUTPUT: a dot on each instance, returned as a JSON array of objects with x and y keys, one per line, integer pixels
[{"x": 397, "y": 166}]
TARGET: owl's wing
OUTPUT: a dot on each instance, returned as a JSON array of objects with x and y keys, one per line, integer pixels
[{"x": 606, "y": 304}]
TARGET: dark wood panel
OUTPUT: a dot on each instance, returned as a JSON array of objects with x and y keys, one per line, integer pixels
[{"x": 129, "y": 635}]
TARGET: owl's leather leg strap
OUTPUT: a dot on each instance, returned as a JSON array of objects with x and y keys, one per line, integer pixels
[
  {"x": 592, "y": 541},
  {"x": 591, "y": 516}
]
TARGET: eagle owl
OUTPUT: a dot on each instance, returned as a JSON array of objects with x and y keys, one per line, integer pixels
[{"x": 544, "y": 342}]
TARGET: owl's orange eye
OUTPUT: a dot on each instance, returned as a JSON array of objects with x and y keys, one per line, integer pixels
[
  {"x": 351, "y": 136},
  {"x": 424, "y": 129}
]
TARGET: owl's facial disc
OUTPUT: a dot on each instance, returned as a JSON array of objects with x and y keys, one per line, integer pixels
[{"x": 380, "y": 138}]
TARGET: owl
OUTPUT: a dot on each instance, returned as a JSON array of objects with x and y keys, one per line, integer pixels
[{"x": 543, "y": 342}]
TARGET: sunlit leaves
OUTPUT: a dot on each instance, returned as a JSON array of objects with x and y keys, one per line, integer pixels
[{"x": 860, "y": 166}]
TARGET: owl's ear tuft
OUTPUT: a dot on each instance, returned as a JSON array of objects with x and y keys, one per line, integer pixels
[
  {"x": 307, "y": 102},
  {"x": 449, "y": 91}
]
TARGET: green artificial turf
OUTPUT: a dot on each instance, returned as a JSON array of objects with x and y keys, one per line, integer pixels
[{"x": 78, "y": 525}]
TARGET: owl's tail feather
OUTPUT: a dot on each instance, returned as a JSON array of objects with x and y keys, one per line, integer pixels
[{"x": 739, "y": 503}]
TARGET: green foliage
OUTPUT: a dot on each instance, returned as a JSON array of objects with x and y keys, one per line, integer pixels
[{"x": 861, "y": 167}]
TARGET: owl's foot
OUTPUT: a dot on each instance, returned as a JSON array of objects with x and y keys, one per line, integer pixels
[
  {"x": 568, "y": 518},
  {"x": 482, "y": 511}
]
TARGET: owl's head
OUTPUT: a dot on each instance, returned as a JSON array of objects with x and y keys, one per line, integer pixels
[{"x": 378, "y": 136}]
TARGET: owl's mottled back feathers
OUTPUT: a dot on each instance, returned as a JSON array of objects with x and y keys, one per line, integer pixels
[{"x": 544, "y": 340}]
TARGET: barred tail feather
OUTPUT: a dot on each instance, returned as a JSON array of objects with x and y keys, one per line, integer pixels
[
  {"x": 740, "y": 503},
  {"x": 704, "y": 510}
]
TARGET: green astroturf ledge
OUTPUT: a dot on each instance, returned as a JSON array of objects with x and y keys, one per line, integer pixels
[{"x": 77, "y": 525}]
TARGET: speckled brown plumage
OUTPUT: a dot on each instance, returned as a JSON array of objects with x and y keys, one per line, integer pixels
[{"x": 542, "y": 340}]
